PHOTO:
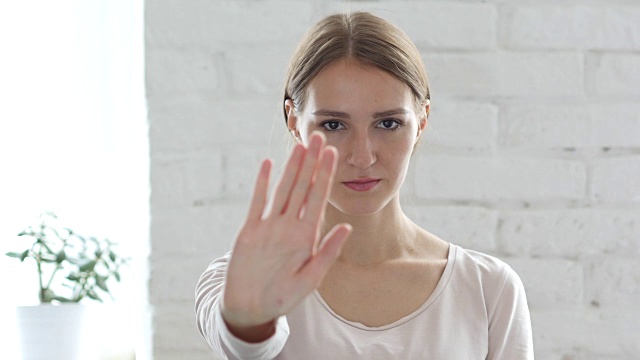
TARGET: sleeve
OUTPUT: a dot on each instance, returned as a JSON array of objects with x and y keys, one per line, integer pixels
[
  {"x": 209, "y": 295},
  {"x": 510, "y": 336}
]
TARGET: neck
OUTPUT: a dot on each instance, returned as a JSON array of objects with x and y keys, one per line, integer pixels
[{"x": 376, "y": 238}]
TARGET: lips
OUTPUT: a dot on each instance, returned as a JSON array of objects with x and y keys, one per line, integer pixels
[{"x": 362, "y": 184}]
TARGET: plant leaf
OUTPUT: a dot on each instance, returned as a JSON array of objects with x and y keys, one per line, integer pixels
[
  {"x": 22, "y": 255},
  {"x": 93, "y": 295},
  {"x": 73, "y": 277},
  {"x": 117, "y": 275},
  {"x": 61, "y": 257},
  {"x": 112, "y": 256},
  {"x": 88, "y": 265},
  {"x": 101, "y": 282},
  {"x": 61, "y": 299}
]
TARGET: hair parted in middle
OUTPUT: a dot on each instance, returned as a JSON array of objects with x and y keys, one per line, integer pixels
[{"x": 361, "y": 36}]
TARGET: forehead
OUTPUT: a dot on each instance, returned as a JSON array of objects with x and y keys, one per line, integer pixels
[{"x": 350, "y": 86}]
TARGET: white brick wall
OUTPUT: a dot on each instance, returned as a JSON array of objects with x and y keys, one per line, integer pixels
[{"x": 532, "y": 151}]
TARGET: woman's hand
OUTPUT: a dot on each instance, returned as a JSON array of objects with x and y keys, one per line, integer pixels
[{"x": 278, "y": 259}]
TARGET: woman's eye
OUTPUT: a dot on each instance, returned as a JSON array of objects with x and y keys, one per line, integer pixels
[
  {"x": 389, "y": 124},
  {"x": 332, "y": 125}
]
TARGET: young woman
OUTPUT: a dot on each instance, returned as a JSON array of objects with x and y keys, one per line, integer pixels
[{"x": 329, "y": 266}]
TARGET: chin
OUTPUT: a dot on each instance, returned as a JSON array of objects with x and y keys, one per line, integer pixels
[{"x": 357, "y": 207}]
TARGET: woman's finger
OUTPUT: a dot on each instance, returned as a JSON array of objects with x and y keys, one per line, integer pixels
[
  {"x": 318, "y": 194},
  {"x": 259, "y": 198},
  {"x": 317, "y": 266},
  {"x": 303, "y": 181},
  {"x": 287, "y": 179}
]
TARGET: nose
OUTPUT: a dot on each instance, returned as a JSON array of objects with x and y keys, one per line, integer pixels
[{"x": 361, "y": 151}]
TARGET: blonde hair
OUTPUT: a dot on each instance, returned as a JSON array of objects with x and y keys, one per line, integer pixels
[{"x": 364, "y": 37}]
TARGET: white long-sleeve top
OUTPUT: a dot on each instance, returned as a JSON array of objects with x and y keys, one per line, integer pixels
[{"x": 478, "y": 310}]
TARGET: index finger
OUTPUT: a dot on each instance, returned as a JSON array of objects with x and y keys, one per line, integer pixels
[
  {"x": 320, "y": 190},
  {"x": 259, "y": 198}
]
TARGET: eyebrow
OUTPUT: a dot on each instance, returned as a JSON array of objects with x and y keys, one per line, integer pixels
[
  {"x": 390, "y": 112},
  {"x": 343, "y": 115}
]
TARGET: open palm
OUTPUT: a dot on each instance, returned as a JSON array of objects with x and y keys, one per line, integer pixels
[{"x": 278, "y": 258}]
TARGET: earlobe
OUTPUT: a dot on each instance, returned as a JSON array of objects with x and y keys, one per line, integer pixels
[{"x": 292, "y": 119}]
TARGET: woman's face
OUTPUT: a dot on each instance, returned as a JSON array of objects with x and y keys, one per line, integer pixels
[{"x": 370, "y": 117}]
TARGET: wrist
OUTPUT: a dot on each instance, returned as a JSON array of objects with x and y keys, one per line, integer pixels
[
  {"x": 253, "y": 333},
  {"x": 247, "y": 330}
]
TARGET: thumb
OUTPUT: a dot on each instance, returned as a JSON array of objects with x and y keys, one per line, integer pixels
[{"x": 317, "y": 266}]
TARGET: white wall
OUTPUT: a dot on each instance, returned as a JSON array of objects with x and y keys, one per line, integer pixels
[{"x": 532, "y": 152}]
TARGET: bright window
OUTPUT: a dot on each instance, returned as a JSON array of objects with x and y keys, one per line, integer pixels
[{"x": 73, "y": 140}]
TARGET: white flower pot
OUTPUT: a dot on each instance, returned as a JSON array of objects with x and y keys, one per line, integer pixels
[{"x": 51, "y": 332}]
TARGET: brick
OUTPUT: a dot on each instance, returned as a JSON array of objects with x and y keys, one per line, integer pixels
[
  {"x": 616, "y": 179},
  {"x": 612, "y": 27},
  {"x": 616, "y": 125},
  {"x": 241, "y": 171},
  {"x": 172, "y": 279},
  {"x": 196, "y": 122},
  {"x": 242, "y": 165},
  {"x": 463, "y": 74},
  {"x": 186, "y": 231},
  {"x": 186, "y": 181},
  {"x": 457, "y": 177},
  {"x": 561, "y": 353},
  {"x": 219, "y": 24},
  {"x": 247, "y": 77},
  {"x": 537, "y": 126},
  {"x": 566, "y": 291},
  {"x": 176, "y": 71},
  {"x": 572, "y": 233},
  {"x": 506, "y": 74},
  {"x": 614, "y": 282},
  {"x": 175, "y": 330},
  {"x": 568, "y": 126},
  {"x": 469, "y": 26},
  {"x": 470, "y": 227},
  {"x": 463, "y": 125},
  {"x": 167, "y": 182},
  {"x": 613, "y": 75},
  {"x": 540, "y": 75},
  {"x": 595, "y": 331},
  {"x": 203, "y": 178}
]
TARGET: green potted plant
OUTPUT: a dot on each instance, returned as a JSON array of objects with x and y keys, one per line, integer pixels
[{"x": 71, "y": 268}]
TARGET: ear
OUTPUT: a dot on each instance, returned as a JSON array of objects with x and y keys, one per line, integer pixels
[
  {"x": 422, "y": 124},
  {"x": 292, "y": 119}
]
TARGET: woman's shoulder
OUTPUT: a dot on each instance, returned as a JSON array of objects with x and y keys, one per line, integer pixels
[
  {"x": 483, "y": 267},
  {"x": 482, "y": 261}
]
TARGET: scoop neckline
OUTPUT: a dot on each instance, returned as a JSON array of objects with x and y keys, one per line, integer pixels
[{"x": 442, "y": 283}]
